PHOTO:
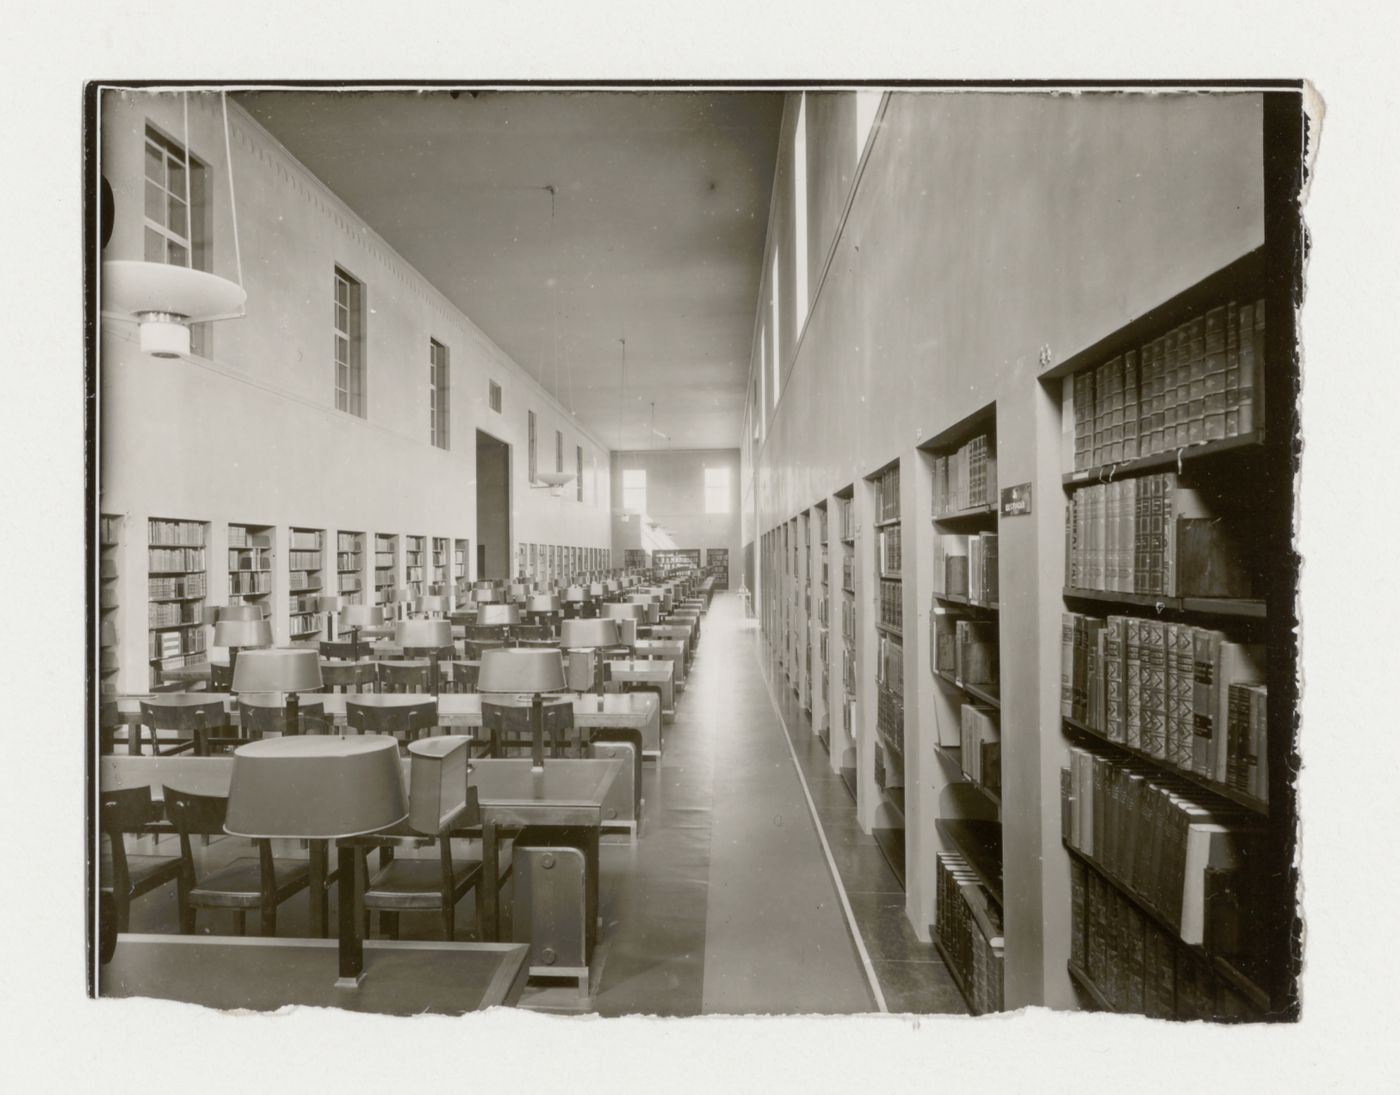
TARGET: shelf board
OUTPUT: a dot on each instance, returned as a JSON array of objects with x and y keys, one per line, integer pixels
[
  {"x": 953, "y": 971},
  {"x": 1239, "y": 798},
  {"x": 972, "y": 515},
  {"x": 953, "y": 755},
  {"x": 888, "y": 630},
  {"x": 1222, "y": 966},
  {"x": 848, "y": 540},
  {"x": 174, "y": 627},
  {"x": 954, "y": 599},
  {"x": 891, "y": 844},
  {"x": 887, "y": 522},
  {"x": 1081, "y": 978},
  {"x": 171, "y": 600},
  {"x": 1163, "y": 460},
  {"x": 895, "y": 797},
  {"x": 989, "y": 694},
  {"x": 980, "y": 844},
  {"x": 1246, "y": 608}
]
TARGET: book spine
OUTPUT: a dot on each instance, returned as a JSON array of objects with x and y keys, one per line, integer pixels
[{"x": 1132, "y": 682}]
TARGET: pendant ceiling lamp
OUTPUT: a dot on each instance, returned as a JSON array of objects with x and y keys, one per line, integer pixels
[
  {"x": 164, "y": 299},
  {"x": 554, "y": 481}
]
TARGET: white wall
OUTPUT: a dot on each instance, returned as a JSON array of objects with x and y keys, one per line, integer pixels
[
  {"x": 676, "y": 503},
  {"x": 252, "y": 434}
]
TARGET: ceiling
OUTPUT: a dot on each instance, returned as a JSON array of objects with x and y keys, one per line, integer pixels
[{"x": 654, "y": 232}]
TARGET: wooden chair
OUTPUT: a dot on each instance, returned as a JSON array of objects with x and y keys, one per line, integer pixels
[
  {"x": 533, "y": 632},
  {"x": 406, "y": 722},
  {"x": 421, "y": 884},
  {"x": 538, "y": 644},
  {"x": 220, "y": 677},
  {"x": 126, "y": 877},
  {"x": 508, "y": 726},
  {"x": 258, "y": 717},
  {"x": 458, "y": 676},
  {"x": 342, "y": 651},
  {"x": 246, "y": 883},
  {"x": 485, "y": 633},
  {"x": 190, "y": 714},
  {"x": 405, "y": 676},
  {"x": 343, "y": 676},
  {"x": 474, "y": 647}
]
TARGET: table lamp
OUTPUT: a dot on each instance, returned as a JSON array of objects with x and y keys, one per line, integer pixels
[
  {"x": 432, "y": 604},
  {"x": 519, "y": 591},
  {"x": 650, "y": 604},
  {"x": 325, "y": 787},
  {"x": 242, "y": 634},
  {"x": 487, "y": 594},
  {"x": 585, "y": 641},
  {"x": 329, "y": 604},
  {"x": 431, "y": 635},
  {"x": 402, "y": 601},
  {"x": 496, "y": 614},
  {"x": 629, "y": 616},
  {"x": 357, "y": 616},
  {"x": 529, "y": 671},
  {"x": 288, "y": 670}
]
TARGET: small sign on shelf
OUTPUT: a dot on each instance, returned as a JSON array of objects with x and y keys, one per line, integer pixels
[{"x": 1016, "y": 501}]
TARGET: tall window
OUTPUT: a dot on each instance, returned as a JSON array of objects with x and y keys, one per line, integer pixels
[
  {"x": 717, "y": 493},
  {"x": 176, "y": 215},
  {"x": 438, "y": 388},
  {"x": 799, "y": 204},
  {"x": 349, "y": 344},
  {"x": 634, "y": 490},
  {"x": 578, "y": 474},
  {"x": 775, "y": 303},
  {"x": 534, "y": 462},
  {"x": 493, "y": 396}
]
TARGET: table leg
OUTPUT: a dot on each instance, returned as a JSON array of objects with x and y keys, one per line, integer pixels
[
  {"x": 488, "y": 893},
  {"x": 352, "y": 921},
  {"x": 317, "y": 857}
]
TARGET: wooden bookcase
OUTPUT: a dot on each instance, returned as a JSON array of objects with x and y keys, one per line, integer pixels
[
  {"x": 109, "y": 540},
  {"x": 386, "y": 572},
  {"x": 850, "y": 708},
  {"x": 461, "y": 571},
  {"x": 305, "y": 567},
  {"x": 888, "y": 602},
  {"x": 821, "y": 628},
  {"x": 250, "y": 570},
  {"x": 1177, "y": 478},
  {"x": 415, "y": 568},
  {"x": 440, "y": 585},
  {"x": 350, "y": 567},
  {"x": 177, "y": 583}
]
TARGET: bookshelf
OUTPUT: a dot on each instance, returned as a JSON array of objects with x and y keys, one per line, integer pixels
[
  {"x": 717, "y": 566},
  {"x": 305, "y": 564},
  {"x": 386, "y": 571},
  {"x": 177, "y": 583},
  {"x": 1177, "y": 606},
  {"x": 803, "y": 611},
  {"x": 109, "y": 539},
  {"x": 415, "y": 566},
  {"x": 250, "y": 565},
  {"x": 461, "y": 571},
  {"x": 889, "y": 668},
  {"x": 441, "y": 548},
  {"x": 821, "y": 685},
  {"x": 850, "y": 721},
  {"x": 350, "y": 566}
]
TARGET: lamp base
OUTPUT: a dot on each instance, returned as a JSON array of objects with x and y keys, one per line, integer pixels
[{"x": 350, "y": 982}]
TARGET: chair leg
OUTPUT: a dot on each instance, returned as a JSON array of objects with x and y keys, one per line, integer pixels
[
  {"x": 449, "y": 920},
  {"x": 269, "y": 920},
  {"x": 122, "y": 905},
  {"x": 187, "y": 917}
]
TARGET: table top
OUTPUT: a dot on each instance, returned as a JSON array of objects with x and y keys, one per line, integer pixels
[
  {"x": 674, "y": 647},
  {"x": 401, "y": 977},
  {"x": 656, "y": 669},
  {"x": 501, "y": 784}
]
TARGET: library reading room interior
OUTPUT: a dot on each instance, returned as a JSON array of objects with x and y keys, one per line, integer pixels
[{"x": 782, "y": 551}]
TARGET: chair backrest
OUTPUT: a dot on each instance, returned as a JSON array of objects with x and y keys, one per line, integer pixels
[
  {"x": 349, "y": 676},
  {"x": 125, "y": 810},
  {"x": 633, "y": 686},
  {"x": 220, "y": 677},
  {"x": 405, "y": 676},
  {"x": 485, "y": 632},
  {"x": 459, "y": 676},
  {"x": 510, "y": 723},
  {"x": 409, "y": 719},
  {"x": 445, "y": 653},
  {"x": 522, "y": 632},
  {"x": 342, "y": 650},
  {"x": 257, "y": 719},
  {"x": 192, "y": 813},
  {"x": 474, "y": 647},
  {"x": 190, "y": 713}
]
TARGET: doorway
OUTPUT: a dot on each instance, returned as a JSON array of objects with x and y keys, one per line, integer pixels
[{"x": 492, "y": 507}]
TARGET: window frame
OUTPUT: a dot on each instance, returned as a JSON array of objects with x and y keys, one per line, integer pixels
[
  {"x": 439, "y": 395},
  {"x": 531, "y": 442},
  {"x": 725, "y": 484},
  {"x": 578, "y": 468},
  {"x": 631, "y": 490},
  {"x": 493, "y": 396},
  {"x": 354, "y": 392}
]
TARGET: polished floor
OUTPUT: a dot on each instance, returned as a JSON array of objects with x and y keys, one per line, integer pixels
[{"x": 726, "y": 902}]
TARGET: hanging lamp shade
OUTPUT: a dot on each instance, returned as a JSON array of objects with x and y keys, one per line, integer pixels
[
  {"x": 554, "y": 478},
  {"x": 166, "y": 299}
]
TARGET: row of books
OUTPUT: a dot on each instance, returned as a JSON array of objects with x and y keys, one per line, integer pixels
[
  {"x": 892, "y": 604},
  {"x": 966, "y": 566},
  {"x": 348, "y": 541},
  {"x": 241, "y": 583},
  {"x": 1202, "y": 381},
  {"x": 965, "y": 479},
  {"x": 966, "y": 648},
  {"x": 383, "y": 578},
  {"x": 170, "y": 644},
  {"x": 889, "y": 763},
  {"x": 887, "y": 494},
  {"x": 108, "y": 529},
  {"x": 891, "y": 558},
  {"x": 1151, "y": 832},
  {"x": 414, "y": 573},
  {"x": 386, "y": 542},
  {"x": 350, "y": 583},
  {"x": 304, "y": 560},
  {"x": 303, "y": 579},
  {"x": 969, "y": 927},
  {"x": 848, "y": 572},
  {"x": 176, "y": 559},
  {"x": 302, "y": 604},
  {"x": 979, "y": 744},
  {"x": 176, "y": 533},
  {"x": 248, "y": 561},
  {"x": 847, "y": 513},
  {"x": 849, "y": 722},
  {"x": 385, "y": 559},
  {"x": 304, "y": 540},
  {"x": 244, "y": 536},
  {"x": 1152, "y": 534},
  {"x": 302, "y": 626},
  {"x": 171, "y": 613},
  {"x": 1183, "y": 695},
  {"x": 889, "y": 665},
  {"x": 192, "y": 585},
  {"x": 1138, "y": 967}
]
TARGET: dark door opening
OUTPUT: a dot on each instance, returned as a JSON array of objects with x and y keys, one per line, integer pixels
[{"x": 492, "y": 507}]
